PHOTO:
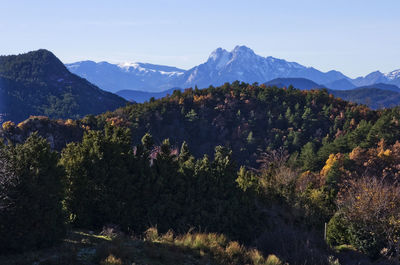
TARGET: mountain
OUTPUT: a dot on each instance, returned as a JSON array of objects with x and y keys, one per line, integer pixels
[
  {"x": 222, "y": 66},
  {"x": 300, "y": 83},
  {"x": 341, "y": 84},
  {"x": 373, "y": 96},
  {"x": 383, "y": 87},
  {"x": 244, "y": 65},
  {"x": 127, "y": 76},
  {"x": 37, "y": 83},
  {"x": 392, "y": 78},
  {"x": 372, "y": 78},
  {"x": 142, "y": 96}
]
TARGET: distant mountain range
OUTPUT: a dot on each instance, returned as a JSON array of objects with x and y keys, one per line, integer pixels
[
  {"x": 142, "y": 96},
  {"x": 222, "y": 66},
  {"x": 127, "y": 76},
  {"x": 374, "y": 97},
  {"x": 38, "y": 83},
  {"x": 299, "y": 83}
]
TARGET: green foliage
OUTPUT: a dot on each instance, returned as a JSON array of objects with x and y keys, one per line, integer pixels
[
  {"x": 317, "y": 205},
  {"x": 30, "y": 196},
  {"x": 130, "y": 171},
  {"x": 108, "y": 182},
  {"x": 98, "y": 181},
  {"x": 337, "y": 231},
  {"x": 309, "y": 157},
  {"x": 244, "y": 117},
  {"x": 365, "y": 241}
]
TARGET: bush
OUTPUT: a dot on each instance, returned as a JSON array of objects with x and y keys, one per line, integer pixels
[
  {"x": 111, "y": 260},
  {"x": 337, "y": 231},
  {"x": 371, "y": 208}
]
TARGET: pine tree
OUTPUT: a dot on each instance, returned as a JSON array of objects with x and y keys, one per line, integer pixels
[{"x": 31, "y": 214}]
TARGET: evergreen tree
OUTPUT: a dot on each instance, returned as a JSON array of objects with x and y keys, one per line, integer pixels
[
  {"x": 98, "y": 177},
  {"x": 308, "y": 157},
  {"x": 31, "y": 214}
]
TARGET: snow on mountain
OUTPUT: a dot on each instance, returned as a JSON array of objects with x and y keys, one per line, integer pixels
[
  {"x": 222, "y": 66},
  {"x": 244, "y": 65},
  {"x": 393, "y": 75},
  {"x": 137, "y": 76},
  {"x": 392, "y": 78},
  {"x": 146, "y": 68}
]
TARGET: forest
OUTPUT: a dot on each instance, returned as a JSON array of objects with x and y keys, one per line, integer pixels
[{"x": 240, "y": 174}]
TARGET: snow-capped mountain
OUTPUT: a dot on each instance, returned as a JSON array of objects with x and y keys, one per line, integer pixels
[
  {"x": 392, "y": 78},
  {"x": 116, "y": 77},
  {"x": 244, "y": 65},
  {"x": 221, "y": 66},
  {"x": 393, "y": 75}
]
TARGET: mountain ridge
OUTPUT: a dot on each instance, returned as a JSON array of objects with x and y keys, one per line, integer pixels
[
  {"x": 222, "y": 66},
  {"x": 38, "y": 83}
]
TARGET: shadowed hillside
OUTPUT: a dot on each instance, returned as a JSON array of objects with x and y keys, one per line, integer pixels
[{"x": 37, "y": 83}]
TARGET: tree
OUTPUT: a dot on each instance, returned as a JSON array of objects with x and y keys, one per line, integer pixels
[
  {"x": 31, "y": 214},
  {"x": 371, "y": 208},
  {"x": 99, "y": 180},
  {"x": 308, "y": 157}
]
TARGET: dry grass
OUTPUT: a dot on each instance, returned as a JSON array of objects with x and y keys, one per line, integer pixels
[{"x": 82, "y": 247}]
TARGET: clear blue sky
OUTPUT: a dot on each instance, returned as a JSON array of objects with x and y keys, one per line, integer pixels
[{"x": 353, "y": 36}]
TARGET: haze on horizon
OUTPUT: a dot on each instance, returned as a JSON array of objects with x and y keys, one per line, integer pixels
[{"x": 355, "y": 37}]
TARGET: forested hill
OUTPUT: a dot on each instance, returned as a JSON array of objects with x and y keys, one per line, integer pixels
[
  {"x": 289, "y": 161},
  {"x": 246, "y": 118},
  {"x": 243, "y": 117},
  {"x": 37, "y": 83}
]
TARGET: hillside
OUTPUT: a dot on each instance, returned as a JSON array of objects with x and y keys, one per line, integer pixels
[
  {"x": 274, "y": 165},
  {"x": 241, "y": 116},
  {"x": 341, "y": 84},
  {"x": 113, "y": 248},
  {"x": 37, "y": 83},
  {"x": 376, "y": 96},
  {"x": 372, "y": 96}
]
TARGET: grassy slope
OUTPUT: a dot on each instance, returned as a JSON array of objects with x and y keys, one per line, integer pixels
[{"x": 84, "y": 247}]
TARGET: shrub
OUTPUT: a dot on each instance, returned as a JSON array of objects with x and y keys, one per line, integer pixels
[
  {"x": 371, "y": 208},
  {"x": 273, "y": 260},
  {"x": 337, "y": 231},
  {"x": 8, "y": 126},
  {"x": 111, "y": 260},
  {"x": 151, "y": 234}
]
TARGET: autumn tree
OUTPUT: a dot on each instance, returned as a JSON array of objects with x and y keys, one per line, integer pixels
[{"x": 371, "y": 209}]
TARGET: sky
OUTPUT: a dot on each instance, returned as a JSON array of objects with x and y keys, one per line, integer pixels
[{"x": 355, "y": 37}]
